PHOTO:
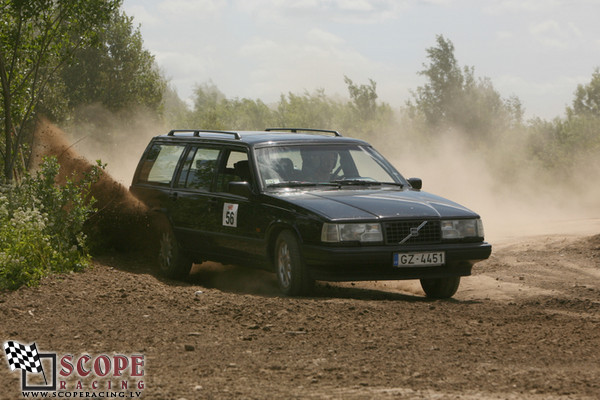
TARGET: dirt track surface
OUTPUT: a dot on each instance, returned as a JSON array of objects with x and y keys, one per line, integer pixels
[{"x": 526, "y": 325}]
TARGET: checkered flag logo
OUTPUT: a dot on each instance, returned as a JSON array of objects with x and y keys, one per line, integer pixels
[{"x": 23, "y": 357}]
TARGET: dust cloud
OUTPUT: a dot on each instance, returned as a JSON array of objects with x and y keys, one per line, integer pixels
[
  {"x": 118, "y": 139},
  {"x": 514, "y": 197},
  {"x": 120, "y": 221}
]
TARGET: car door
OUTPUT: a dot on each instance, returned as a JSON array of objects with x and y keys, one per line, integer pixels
[
  {"x": 191, "y": 200},
  {"x": 239, "y": 232}
]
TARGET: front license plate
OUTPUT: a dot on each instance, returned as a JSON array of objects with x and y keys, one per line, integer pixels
[{"x": 427, "y": 259}]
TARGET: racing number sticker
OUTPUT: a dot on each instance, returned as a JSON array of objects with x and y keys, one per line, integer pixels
[{"x": 230, "y": 214}]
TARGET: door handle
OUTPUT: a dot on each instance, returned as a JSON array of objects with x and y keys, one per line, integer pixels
[{"x": 212, "y": 203}]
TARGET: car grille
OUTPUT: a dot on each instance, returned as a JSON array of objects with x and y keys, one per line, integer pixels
[{"x": 396, "y": 232}]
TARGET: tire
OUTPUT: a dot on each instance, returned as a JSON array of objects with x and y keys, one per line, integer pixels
[
  {"x": 172, "y": 261},
  {"x": 440, "y": 288},
  {"x": 292, "y": 273}
]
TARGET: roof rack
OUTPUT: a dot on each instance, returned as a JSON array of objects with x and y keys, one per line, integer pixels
[
  {"x": 295, "y": 130},
  {"x": 197, "y": 132}
]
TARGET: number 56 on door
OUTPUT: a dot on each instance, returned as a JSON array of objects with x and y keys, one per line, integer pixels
[{"x": 230, "y": 214}]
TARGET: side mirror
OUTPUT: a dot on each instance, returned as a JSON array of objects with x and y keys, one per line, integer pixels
[
  {"x": 240, "y": 188},
  {"x": 416, "y": 183}
]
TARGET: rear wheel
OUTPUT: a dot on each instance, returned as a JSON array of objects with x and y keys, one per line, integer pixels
[
  {"x": 292, "y": 274},
  {"x": 440, "y": 288},
  {"x": 172, "y": 261}
]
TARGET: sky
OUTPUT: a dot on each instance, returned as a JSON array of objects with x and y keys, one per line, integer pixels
[{"x": 537, "y": 50}]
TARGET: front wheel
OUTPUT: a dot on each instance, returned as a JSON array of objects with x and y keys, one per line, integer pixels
[
  {"x": 292, "y": 274},
  {"x": 440, "y": 288}
]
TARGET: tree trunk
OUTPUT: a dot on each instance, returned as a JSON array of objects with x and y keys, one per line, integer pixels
[{"x": 8, "y": 125}]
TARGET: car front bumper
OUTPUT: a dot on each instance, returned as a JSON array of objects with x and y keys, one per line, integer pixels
[{"x": 362, "y": 263}]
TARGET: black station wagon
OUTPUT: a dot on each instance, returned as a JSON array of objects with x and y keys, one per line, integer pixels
[{"x": 306, "y": 204}]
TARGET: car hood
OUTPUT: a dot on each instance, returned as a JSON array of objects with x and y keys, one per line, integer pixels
[{"x": 365, "y": 204}]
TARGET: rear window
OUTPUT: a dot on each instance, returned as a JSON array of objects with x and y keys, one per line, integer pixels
[{"x": 159, "y": 163}]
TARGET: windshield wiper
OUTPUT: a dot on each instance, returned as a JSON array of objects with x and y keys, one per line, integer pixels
[
  {"x": 363, "y": 182},
  {"x": 338, "y": 183},
  {"x": 299, "y": 184},
  {"x": 393, "y": 184},
  {"x": 356, "y": 182}
]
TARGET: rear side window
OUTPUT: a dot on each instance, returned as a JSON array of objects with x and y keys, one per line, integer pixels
[
  {"x": 199, "y": 168},
  {"x": 160, "y": 163}
]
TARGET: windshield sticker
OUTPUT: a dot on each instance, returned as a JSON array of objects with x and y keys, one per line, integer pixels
[
  {"x": 272, "y": 181},
  {"x": 230, "y": 214}
]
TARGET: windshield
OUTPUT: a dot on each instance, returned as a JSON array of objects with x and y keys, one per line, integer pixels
[{"x": 315, "y": 165}]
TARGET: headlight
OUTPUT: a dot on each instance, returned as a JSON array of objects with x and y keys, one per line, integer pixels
[
  {"x": 333, "y": 233},
  {"x": 462, "y": 228}
]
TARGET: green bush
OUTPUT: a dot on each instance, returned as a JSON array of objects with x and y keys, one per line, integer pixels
[{"x": 41, "y": 225}]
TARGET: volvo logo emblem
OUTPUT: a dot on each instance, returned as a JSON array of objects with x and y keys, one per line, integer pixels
[{"x": 414, "y": 232}]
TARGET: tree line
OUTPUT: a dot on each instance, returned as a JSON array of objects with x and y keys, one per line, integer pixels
[{"x": 59, "y": 58}]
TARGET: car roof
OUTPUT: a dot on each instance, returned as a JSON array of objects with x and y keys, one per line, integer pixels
[{"x": 257, "y": 138}]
